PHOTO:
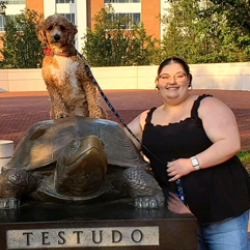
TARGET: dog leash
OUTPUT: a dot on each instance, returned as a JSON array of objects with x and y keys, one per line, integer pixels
[{"x": 87, "y": 68}]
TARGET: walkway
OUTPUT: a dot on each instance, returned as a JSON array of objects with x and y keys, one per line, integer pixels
[{"x": 20, "y": 110}]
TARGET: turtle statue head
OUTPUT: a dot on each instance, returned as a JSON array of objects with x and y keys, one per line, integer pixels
[{"x": 81, "y": 167}]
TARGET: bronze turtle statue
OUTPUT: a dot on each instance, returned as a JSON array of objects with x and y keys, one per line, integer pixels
[{"x": 77, "y": 160}]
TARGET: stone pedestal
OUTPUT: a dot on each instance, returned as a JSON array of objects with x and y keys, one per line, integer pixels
[
  {"x": 115, "y": 225},
  {"x": 6, "y": 151}
]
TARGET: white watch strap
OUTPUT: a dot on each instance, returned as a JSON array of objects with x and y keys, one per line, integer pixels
[{"x": 195, "y": 163}]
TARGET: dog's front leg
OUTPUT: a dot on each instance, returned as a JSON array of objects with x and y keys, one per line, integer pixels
[
  {"x": 58, "y": 108},
  {"x": 95, "y": 111}
]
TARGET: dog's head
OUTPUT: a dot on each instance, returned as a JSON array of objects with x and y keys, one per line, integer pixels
[{"x": 56, "y": 31}]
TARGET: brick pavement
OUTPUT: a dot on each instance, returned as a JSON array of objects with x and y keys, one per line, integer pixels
[{"x": 20, "y": 110}]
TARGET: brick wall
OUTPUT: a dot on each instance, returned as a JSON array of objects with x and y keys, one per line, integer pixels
[{"x": 150, "y": 17}]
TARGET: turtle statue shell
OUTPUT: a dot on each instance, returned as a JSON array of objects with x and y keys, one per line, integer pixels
[
  {"x": 78, "y": 160},
  {"x": 41, "y": 144}
]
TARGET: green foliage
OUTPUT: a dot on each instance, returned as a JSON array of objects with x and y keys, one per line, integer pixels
[
  {"x": 218, "y": 31},
  {"x": 244, "y": 156},
  {"x": 21, "y": 48},
  {"x": 198, "y": 31},
  {"x": 142, "y": 49},
  {"x": 109, "y": 44}
]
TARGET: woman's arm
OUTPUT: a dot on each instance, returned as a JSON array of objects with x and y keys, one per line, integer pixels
[
  {"x": 136, "y": 126},
  {"x": 221, "y": 128}
]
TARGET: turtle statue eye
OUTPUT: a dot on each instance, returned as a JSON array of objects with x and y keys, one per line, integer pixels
[{"x": 74, "y": 144}]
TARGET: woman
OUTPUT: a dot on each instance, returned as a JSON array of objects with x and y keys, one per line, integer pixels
[{"x": 194, "y": 139}]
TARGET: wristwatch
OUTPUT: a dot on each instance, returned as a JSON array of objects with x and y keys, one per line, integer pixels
[{"x": 195, "y": 163}]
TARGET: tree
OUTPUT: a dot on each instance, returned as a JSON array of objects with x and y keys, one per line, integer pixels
[
  {"x": 207, "y": 33},
  {"x": 2, "y": 8},
  {"x": 21, "y": 48},
  {"x": 142, "y": 48},
  {"x": 185, "y": 34},
  {"x": 237, "y": 16},
  {"x": 110, "y": 43}
]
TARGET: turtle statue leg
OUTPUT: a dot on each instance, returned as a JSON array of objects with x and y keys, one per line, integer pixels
[
  {"x": 141, "y": 186},
  {"x": 14, "y": 183}
]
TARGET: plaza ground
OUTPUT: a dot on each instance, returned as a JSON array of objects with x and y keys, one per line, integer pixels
[{"x": 20, "y": 110}]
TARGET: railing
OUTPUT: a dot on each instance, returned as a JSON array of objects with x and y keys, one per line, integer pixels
[
  {"x": 14, "y": 1},
  {"x": 65, "y": 1},
  {"x": 122, "y": 1},
  {"x": 230, "y": 76}
]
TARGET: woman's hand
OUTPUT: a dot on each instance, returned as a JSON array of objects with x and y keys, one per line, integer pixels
[
  {"x": 175, "y": 205},
  {"x": 178, "y": 168}
]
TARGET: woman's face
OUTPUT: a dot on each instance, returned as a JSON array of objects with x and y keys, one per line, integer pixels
[{"x": 173, "y": 82}]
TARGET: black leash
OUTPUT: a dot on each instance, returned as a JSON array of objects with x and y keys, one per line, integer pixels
[{"x": 87, "y": 68}]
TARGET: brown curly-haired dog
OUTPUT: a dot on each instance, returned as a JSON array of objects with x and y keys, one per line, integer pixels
[{"x": 71, "y": 90}]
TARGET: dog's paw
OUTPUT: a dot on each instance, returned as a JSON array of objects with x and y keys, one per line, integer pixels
[
  {"x": 62, "y": 115},
  {"x": 95, "y": 115},
  {"x": 98, "y": 114},
  {"x": 104, "y": 115}
]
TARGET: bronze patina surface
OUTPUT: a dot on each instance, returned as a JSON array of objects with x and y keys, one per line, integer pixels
[{"x": 77, "y": 160}]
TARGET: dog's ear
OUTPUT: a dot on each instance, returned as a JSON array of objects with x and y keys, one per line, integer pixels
[
  {"x": 75, "y": 29},
  {"x": 40, "y": 32},
  {"x": 72, "y": 33}
]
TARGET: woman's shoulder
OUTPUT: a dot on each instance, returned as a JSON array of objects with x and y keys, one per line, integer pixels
[
  {"x": 139, "y": 119},
  {"x": 210, "y": 104},
  {"x": 143, "y": 116},
  {"x": 207, "y": 100},
  {"x": 146, "y": 115},
  {"x": 147, "y": 112},
  {"x": 199, "y": 98}
]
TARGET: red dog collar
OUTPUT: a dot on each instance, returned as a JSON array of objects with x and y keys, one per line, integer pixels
[{"x": 48, "y": 52}]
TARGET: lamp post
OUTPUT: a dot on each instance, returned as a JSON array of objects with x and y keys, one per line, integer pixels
[{"x": 2, "y": 8}]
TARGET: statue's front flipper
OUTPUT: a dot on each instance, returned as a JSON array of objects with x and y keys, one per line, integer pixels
[
  {"x": 14, "y": 183},
  {"x": 157, "y": 200},
  {"x": 141, "y": 186}
]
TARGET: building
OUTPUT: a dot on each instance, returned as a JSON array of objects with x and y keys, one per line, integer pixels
[{"x": 81, "y": 12}]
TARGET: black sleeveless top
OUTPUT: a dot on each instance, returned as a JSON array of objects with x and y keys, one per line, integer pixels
[{"x": 214, "y": 193}]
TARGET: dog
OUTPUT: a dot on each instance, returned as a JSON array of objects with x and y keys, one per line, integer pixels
[{"x": 71, "y": 89}]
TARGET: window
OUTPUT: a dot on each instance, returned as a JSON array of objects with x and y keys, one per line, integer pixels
[
  {"x": 2, "y": 22},
  {"x": 70, "y": 16},
  {"x": 129, "y": 19},
  {"x": 204, "y": 4},
  {"x": 4, "y": 19},
  {"x": 122, "y": 1},
  {"x": 65, "y": 1},
  {"x": 14, "y": 1}
]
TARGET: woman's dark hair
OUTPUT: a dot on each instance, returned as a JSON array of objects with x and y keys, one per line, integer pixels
[{"x": 179, "y": 61}]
